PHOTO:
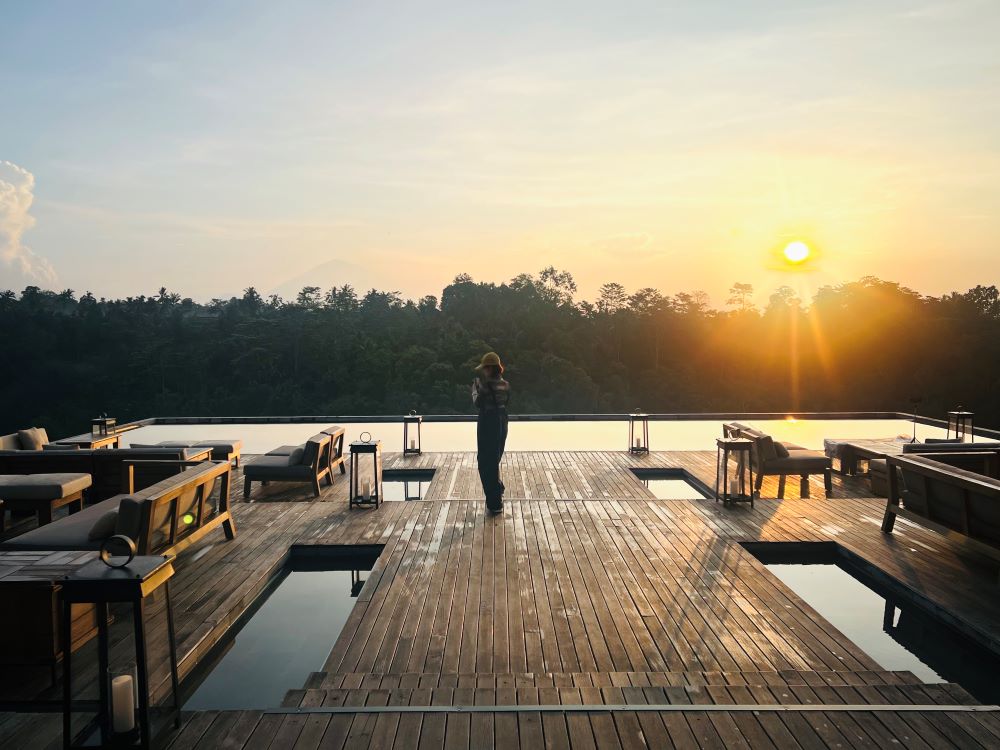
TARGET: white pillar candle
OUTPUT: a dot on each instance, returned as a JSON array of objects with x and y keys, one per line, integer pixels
[
  {"x": 413, "y": 444},
  {"x": 638, "y": 443},
  {"x": 122, "y": 704},
  {"x": 366, "y": 490}
]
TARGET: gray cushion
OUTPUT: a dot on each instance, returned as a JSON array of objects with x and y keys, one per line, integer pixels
[
  {"x": 780, "y": 450},
  {"x": 30, "y": 439},
  {"x": 104, "y": 526},
  {"x": 277, "y": 468},
  {"x": 765, "y": 447},
  {"x": 312, "y": 448},
  {"x": 60, "y": 447},
  {"x": 137, "y": 450},
  {"x": 69, "y": 533},
  {"x": 41, "y": 486},
  {"x": 130, "y": 516},
  {"x": 293, "y": 451},
  {"x": 226, "y": 444},
  {"x": 800, "y": 462}
]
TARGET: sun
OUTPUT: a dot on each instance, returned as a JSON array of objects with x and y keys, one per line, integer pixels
[{"x": 796, "y": 252}]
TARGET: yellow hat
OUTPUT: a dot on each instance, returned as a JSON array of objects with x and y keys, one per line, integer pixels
[{"x": 490, "y": 358}]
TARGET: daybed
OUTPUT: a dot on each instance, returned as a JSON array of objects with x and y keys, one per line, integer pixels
[
  {"x": 308, "y": 463},
  {"x": 336, "y": 433},
  {"x": 771, "y": 458}
]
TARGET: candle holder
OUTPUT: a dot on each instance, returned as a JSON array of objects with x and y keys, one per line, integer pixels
[
  {"x": 103, "y": 426},
  {"x": 411, "y": 445},
  {"x": 369, "y": 494},
  {"x": 960, "y": 425},
  {"x": 638, "y": 432}
]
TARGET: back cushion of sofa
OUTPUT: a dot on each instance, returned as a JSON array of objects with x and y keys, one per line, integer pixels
[
  {"x": 311, "y": 452},
  {"x": 9, "y": 442},
  {"x": 130, "y": 518},
  {"x": 765, "y": 447},
  {"x": 30, "y": 439}
]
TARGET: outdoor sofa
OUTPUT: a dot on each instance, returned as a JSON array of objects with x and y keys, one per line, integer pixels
[
  {"x": 31, "y": 439},
  {"x": 107, "y": 467},
  {"x": 162, "y": 518},
  {"x": 769, "y": 457},
  {"x": 982, "y": 458},
  {"x": 223, "y": 449},
  {"x": 960, "y": 504},
  {"x": 306, "y": 463}
]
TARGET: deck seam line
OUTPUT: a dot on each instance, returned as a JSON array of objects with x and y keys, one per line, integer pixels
[{"x": 643, "y": 708}]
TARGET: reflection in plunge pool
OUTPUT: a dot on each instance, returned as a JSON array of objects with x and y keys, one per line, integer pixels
[
  {"x": 897, "y": 631},
  {"x": 287, "y": 638}
]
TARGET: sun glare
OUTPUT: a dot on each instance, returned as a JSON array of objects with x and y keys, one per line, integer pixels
[{"x": 796, "y": 252}]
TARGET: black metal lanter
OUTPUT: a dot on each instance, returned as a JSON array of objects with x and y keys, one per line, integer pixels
[
  {"x": 638, "y": 432},
  {"x": 103, "y": 426},
  {"x": 960, "y": 425},
  {"x": 411, "y": 445},
  {"x": 367, "y": 493}
]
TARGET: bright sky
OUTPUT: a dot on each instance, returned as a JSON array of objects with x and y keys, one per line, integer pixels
[{"x": 209, "y": 147}]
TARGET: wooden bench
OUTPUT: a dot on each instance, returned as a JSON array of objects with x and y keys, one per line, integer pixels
[{"x": 958, "y": 504}]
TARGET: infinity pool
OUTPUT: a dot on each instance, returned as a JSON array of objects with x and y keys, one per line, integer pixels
[{"x": 575, "y": 435}]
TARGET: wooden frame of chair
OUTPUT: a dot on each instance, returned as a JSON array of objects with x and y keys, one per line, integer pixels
[
  {"x": 931, "y": 471},
  {"x": 203, "y": 484}
]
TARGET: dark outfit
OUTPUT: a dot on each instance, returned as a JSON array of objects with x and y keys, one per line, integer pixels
[{"x": 491, "y": 397}]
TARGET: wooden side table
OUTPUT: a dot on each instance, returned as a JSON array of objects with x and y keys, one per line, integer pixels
[
  {"x": 742, "y": 448},
  {"x": 102, "y": 585}
]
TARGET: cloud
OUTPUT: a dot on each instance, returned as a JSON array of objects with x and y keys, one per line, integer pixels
[{"x": 17, "y": 192}]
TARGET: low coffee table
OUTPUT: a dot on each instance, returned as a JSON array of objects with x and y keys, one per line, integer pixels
[
  {"x": 92, "y": 442},
  {"x": 42, "y": 493}
]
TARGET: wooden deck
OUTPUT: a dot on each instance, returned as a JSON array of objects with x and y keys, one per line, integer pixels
[{"x": 586, "y": 591}]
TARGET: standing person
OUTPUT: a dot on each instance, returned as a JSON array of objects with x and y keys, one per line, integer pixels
[{"x": 490, "y": 394}]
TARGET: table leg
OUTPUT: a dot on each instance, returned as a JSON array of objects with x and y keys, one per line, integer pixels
[
  {"x": 44, "y": 514},
  {"x": 67, "y": 622},
  {"x": 171, "y": 636},
  {"x": 725, "y": 476},
  {"x": 718, "y": 455},
  {"x": 141, "y": 670},
  {"x": 103, "y": 678}
]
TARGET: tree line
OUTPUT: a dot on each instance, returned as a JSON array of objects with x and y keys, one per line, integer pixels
[{"x": 858, "y": 346}]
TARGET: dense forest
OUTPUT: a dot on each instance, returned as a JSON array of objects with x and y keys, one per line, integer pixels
[{"x": 864, "y": 345}]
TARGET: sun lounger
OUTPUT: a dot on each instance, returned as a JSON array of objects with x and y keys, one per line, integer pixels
[{"x": 308, "y": 463}]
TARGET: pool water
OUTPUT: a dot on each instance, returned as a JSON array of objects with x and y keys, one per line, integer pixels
[
  {"x": 894, "y": 631},
  {"x": 290, "y": 636},
  {"x": 561, "y": 435},
  {"x": 404, "y": 489},
  {"x": 673, "y": 489}
]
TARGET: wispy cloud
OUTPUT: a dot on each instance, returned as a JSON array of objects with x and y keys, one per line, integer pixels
[{"x": 17, "y": 193}]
